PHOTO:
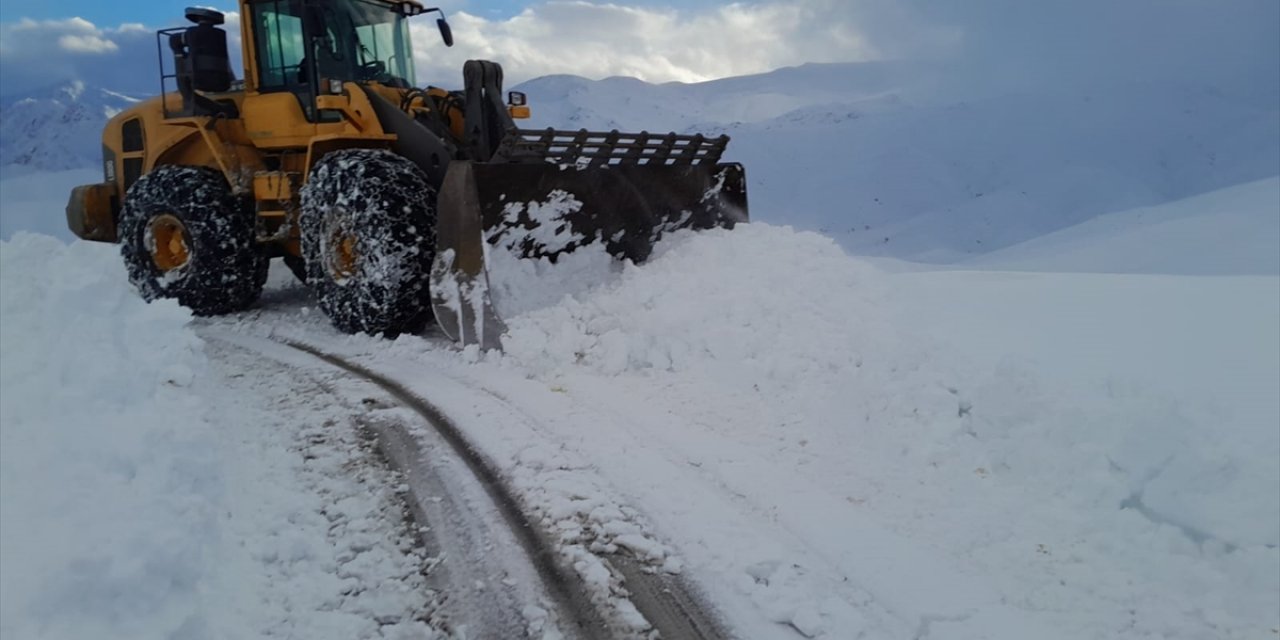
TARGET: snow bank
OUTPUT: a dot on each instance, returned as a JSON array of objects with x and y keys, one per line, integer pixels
[
  {"x": 1098, "y": 503},
  {"x": 110, "y": 494},
  {"x": 753, "y": 302}
]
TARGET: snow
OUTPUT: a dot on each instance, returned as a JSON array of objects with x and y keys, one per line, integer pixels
[
  {"x": 1182, "y": 237},
  {"x": 1005, "y": 419},
  {"x": 547, "y": 222},
  {"x": 152, "y": 490},
  {"x": 1073, "y": 433},
  {"x": 110, "y": 502},
  {"x": 36, "y": 202},
  {"x": 57, "y": 128},
  {"x": 925, "y": 163},
  {"x": 823, "y": 445}
]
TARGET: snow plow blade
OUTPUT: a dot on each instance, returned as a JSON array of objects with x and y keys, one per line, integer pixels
[{"x": 549, "y": 193}]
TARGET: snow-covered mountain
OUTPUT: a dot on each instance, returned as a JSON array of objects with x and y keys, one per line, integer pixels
[
  {"x": 901, "y": 160},
  {"x": 890, "y": 159},
  {"x": 57, "y": 128}
]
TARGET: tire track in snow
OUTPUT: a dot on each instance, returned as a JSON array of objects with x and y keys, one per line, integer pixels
[
  {"x": 672, "y": 605},
  {"x": 492, "y": 592},
  {"x": 668, "y": 604},
  {"x": 588, "y": 621}
]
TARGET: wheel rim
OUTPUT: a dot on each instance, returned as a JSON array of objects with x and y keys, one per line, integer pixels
[
  {"x": 168, "y": 243},
  {"x": 343, "y": 255}
]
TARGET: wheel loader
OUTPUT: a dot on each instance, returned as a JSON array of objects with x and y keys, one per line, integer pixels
[{"x": 383, "y": 197}]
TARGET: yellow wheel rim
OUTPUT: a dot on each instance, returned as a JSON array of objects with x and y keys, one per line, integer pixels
[
  {"x": 343, "y": 255},
  {"x": 169, "y": 247}
]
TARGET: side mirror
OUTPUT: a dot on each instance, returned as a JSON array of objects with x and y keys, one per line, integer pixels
[{"x": 445, "y": 32}]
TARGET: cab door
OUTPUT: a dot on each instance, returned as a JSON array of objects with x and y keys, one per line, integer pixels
[{"x": 280, "y": 112}]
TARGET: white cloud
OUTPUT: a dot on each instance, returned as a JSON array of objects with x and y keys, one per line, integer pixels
[
  {"x": 86, "y": 44},
  {"x": 41, "y": 53},
  {"x": 32, "y": 37},
  {"x": 657, "y": 44},
  {"x": 1010, "y": 41},
  {"x": 589, "y": 38}
]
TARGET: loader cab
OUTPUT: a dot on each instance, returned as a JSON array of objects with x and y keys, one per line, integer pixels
[{"x": 311, "y": 47}]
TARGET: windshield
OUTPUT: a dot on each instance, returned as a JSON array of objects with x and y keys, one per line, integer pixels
[
  {"x": 365, "y": 41},
  {"x": 354, "y": 40}
]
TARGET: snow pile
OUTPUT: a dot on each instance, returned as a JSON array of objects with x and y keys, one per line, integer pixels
[
  {"x": 150, "y": 493},
  {"x": 520, "y": 285},
  {"x": 109, "y": 508},
  {"x": 1084, "y": 500},
  {"x": 684, "y": 310}
]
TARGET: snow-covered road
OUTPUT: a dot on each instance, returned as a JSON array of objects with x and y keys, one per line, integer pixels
[
  {"x": 821, "y": 447},
  {"x": 323, "y": 545}
]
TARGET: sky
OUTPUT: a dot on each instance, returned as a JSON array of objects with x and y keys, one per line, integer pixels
[
  {"x": 44, "y": 43},
  {"x": 985, "y": 41}
]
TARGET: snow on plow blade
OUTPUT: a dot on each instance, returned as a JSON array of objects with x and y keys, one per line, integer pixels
[{"x": 547, "y": 193}]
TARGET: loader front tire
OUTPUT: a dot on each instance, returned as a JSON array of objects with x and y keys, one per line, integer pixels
[
  {"x": 368, "y": 239},
  {"x": 183, "y": 235}
]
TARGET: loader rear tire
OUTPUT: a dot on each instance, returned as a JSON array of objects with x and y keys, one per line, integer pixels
[
  {"x": 368, "y": 240},
  {"x": 184, "y": 235}
]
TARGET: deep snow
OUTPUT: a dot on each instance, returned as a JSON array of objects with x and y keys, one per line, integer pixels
[
  {"x": 833, "y": 448},
  {"x": 1096, "y": 448},
  {"x": 825, "y": 446},
  {"x": 155, "y": 486},
  {"x": 1075, "y": 436}
]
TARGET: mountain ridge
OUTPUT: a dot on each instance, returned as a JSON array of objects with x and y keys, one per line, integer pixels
[
  {"x": 57, "y": 127},
  {"x": 890, "y": 159}
]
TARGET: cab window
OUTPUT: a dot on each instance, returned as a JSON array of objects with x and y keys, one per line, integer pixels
[{"x": 281, "y": 44}]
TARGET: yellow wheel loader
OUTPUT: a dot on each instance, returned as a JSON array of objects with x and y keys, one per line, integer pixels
[{"x": 383, "y": 197}]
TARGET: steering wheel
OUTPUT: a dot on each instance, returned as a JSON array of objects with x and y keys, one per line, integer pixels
[{"x": 372, "y": 70}]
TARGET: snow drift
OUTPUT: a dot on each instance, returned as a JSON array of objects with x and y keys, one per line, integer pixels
[
  {"x": 1093, "y": 498},
  {"x": 109, "y": 510}
]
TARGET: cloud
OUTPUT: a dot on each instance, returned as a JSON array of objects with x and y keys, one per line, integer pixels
[
  {"x": 41, "y": 53},
  {"x": 984, "y": 42},
  {"x": 656, "y": 44},
  {"x": 86, "y": 44},
  {"x": 594, "y": 39}
]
